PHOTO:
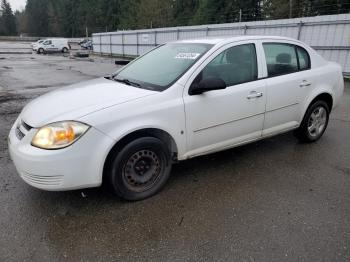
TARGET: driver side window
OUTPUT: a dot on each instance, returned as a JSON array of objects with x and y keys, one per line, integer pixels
[{"x": 235, "y": 65}]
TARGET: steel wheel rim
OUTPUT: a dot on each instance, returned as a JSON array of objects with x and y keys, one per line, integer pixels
[
  {"x": 317, "y": 121},
  {"x": 141, "y": 170}
]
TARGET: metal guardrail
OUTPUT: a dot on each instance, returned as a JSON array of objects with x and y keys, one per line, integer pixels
[
  {"x": 35, "y": 38},
  {"x": 331, "y": 47}
]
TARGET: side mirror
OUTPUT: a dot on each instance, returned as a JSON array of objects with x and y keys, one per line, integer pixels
[
  {"x": 206, "y": 85},
  {"x": 122, "y": 62}
]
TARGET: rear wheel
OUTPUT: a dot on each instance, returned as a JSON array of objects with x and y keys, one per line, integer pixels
[
  {"x": 140, "y": 169},
  {"x": 64, "y": 50},
  {"x": 314, "y": 123}
]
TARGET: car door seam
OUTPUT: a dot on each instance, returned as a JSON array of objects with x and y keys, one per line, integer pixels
[
  {"x": 282, "y": 107},
  {"x": 227, "y": 122}
]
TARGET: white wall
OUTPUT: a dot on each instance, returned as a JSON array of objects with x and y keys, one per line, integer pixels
[{"x": 329, "y": 35}]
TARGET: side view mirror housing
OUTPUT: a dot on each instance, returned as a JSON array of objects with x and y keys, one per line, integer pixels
[
  {"x": 122, "y": 62},
  {"x": 206, "y": 85}
]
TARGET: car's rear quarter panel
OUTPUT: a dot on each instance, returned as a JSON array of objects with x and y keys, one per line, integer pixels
[{"x": 327, "y": 79}]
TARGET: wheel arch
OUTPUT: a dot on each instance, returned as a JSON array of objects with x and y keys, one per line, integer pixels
[
  {"x": 144, "y": 132},
  {"x": 324, "y": 96}
]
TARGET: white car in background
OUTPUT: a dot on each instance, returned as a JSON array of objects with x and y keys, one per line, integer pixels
[
  {"x": 178, "y": 101},
  {"x": 51, "y": 45}
]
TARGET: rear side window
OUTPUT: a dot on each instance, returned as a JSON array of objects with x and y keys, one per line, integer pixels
[
  {"x": 281, "y": 59},
  {"x": 304, "y": 58}
]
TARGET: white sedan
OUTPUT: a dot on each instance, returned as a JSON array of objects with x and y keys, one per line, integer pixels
[{"x": 178, "y": 101}]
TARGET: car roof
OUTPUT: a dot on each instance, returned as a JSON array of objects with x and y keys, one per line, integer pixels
[{"x": 228, "y": 39}]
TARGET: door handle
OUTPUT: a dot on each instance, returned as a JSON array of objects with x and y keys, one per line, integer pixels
[
  {"x": 305, "y": 83},
  {"x": 254, "y": 94}
]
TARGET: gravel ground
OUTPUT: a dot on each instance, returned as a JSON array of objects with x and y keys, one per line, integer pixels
[{"x": 273, "y": 200}]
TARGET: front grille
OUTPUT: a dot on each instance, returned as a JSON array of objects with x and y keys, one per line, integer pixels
[
  {"x": 42, "y": 180},
  {"x": 26, "y": 126},
  {"x": 19, "y": 133},
  {"x": 22, "y": 129}
]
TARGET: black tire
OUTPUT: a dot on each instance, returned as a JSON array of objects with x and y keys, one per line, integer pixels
[
  {"x": 140, "y": 169},
  {"x": 64, "y": 50},
  {"x": 40, "y": 51},
  {"x": 307, "y": 132}
]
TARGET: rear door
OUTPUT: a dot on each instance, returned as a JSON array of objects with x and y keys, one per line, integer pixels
[{"x": 283, "y": 87}]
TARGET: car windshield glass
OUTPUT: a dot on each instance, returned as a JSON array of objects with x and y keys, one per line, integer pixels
[{"x": 160, "y": 68}]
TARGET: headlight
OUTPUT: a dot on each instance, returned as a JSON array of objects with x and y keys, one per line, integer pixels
[{"x": 59, "y": 135}]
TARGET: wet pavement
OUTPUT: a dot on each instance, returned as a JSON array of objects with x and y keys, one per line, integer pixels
[{"x": 273, "y": 200}]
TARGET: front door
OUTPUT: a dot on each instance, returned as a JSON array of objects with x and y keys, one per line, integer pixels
[{"x": 222, "y": 118}]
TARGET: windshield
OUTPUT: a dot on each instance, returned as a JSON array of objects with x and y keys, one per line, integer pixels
[{"x": 160, "y": 68}]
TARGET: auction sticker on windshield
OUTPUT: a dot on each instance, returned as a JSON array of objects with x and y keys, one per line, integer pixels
[{"x": 192, "y": 56}]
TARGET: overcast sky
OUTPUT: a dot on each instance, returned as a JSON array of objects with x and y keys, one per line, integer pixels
[{"x": 17, "y": 4}]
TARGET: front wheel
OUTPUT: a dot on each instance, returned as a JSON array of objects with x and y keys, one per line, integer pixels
[
  {"x": 64, "y": 50},
  {"x": 40, "y": 51},
  {"x": 140, "y": 169},
  {"x": 314, "y": 123}
]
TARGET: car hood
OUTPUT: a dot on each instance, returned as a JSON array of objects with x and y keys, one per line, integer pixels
[{"x": 78, "y": 100}]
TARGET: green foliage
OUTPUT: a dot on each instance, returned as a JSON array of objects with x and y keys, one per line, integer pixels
[
  {"x": 73, "y": 18},
  {"x": 184, "y": 10},
  {"x": 7, "y": 19},
  {"x": 37, "y": 17},
  {"x": 154, "y": 13}
]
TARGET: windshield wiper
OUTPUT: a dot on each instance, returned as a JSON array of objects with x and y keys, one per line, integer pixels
[{"x": 127, "y": 82}]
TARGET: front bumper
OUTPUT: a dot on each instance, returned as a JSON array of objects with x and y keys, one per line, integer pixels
[{"x": 77, "y": 166}]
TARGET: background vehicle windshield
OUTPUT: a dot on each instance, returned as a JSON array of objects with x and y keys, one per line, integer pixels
[{"x": 161, "y": 67}]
